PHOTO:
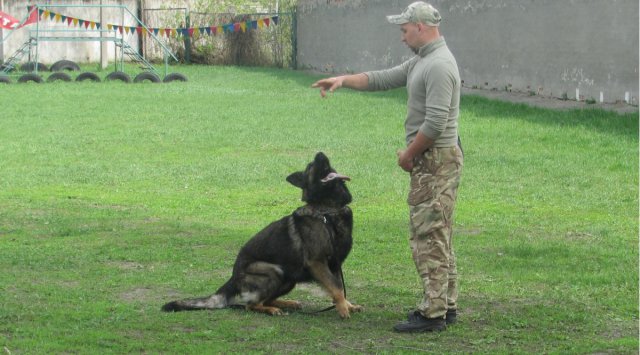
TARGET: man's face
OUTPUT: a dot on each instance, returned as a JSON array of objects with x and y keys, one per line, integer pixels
[{"x": 411, "y": 36}]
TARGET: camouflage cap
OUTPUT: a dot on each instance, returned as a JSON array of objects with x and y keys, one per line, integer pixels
[{"x": 418, "y": 11}]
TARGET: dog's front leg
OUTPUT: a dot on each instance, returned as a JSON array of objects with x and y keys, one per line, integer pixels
[
  {"x": 333, "y": 285},
  {"x": 351, "y": 307}
]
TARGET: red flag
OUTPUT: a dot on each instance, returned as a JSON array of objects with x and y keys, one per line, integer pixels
[
  {"x": 11, "y": 23},
  {"x": 33, "y": 16},
  {"x": 7, "y": 21}
]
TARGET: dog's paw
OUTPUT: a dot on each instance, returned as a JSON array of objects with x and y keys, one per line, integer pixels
[
  {"x": 355, "y": 308},
  {"x": 345, "y": 309},
  {"x": 272, "y": 311},
  {"x": 275, "y": 311}
]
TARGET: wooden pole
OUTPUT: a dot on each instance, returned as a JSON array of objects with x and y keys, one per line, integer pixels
[{"x": 104, "y": 56}]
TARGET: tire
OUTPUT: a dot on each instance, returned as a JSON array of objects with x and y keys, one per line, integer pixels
[
  {"x": 31, "y": 66},
  {"x": 5, "y": 79},
  {"x": 147, "y": 75},
  {"x": 88, "y": 76},
  {"x": 118, "y": 75},
  {"x": 174, "y": 77},
  {"x": 58, "y": 76},
  {"x": 30, "y": 77},
  {"x": 64, "y": 64}
]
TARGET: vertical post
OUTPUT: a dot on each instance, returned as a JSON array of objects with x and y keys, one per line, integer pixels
[
  {"x": 141, "y": 37},
  {"x": 1, "y": 35},
  {"x": 294, "y": 38},
  {"x": 187, "y": 39},
  {"x": 103, "y": 42},
  {"x": 122, "y": 40},
  {"x": 37, "y": 44}
]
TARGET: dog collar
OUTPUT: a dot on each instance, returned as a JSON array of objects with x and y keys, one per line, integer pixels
[{"x": 319, "y": 213}]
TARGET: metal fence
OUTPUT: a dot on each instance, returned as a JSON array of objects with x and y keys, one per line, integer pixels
[{"x": 258, "y": 39}]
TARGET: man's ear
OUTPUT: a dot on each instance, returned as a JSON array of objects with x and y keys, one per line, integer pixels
[{"x": 296, "y": 179}]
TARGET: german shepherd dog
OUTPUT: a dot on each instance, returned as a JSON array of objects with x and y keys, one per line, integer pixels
[{"x": 309, "y": 244}]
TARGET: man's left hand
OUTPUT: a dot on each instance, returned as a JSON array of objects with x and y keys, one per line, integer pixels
[{"x": 404, "y": 160}]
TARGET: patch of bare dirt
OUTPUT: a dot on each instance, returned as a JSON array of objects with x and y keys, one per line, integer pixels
[
  {"x": 126, "y": 265},
  {"x": 548, "y": 102},
  {"x": 148, "y": 294}
]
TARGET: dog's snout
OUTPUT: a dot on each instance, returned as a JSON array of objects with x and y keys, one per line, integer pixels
[{"x": 333, "y": 176}]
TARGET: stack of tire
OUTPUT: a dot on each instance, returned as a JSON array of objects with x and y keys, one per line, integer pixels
[{"x": 61, "y": 69}]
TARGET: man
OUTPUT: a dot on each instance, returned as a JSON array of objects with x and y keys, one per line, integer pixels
[{"x": 433, "y": 156}]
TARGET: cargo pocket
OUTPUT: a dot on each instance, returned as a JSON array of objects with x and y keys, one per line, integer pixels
[
  {"x": 422, "y": 183},
  {"x": 426, "y": 218}
]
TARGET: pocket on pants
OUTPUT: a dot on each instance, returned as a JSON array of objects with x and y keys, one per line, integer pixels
[
  {"x": 426, "y": 218},
  {"x": 422, "y": 185}
]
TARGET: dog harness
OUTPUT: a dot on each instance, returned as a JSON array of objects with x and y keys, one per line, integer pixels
[{"x": 321, "y": 214}]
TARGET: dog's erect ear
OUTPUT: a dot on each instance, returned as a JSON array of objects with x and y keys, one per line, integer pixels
[{"x": 296, "y": 179}]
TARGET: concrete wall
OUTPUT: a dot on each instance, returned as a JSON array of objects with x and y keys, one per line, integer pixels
[
  {"x": 546, "y": 47},
  {"x": 79, "y": 51}
]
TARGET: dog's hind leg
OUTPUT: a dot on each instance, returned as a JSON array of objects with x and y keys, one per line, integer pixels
[
  {"x": 261, "y": 308},
  {"x": 289, "y": 304},
  {"x": 260, "y": 285}
]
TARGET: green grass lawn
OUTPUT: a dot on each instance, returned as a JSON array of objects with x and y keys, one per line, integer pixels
[{"x": 116, "y": 198}]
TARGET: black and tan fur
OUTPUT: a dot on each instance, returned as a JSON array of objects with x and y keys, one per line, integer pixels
[{"x": 309, "y": 244}]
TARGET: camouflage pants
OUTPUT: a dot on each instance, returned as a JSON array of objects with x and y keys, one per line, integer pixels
[{"x": 434, "y": 186}]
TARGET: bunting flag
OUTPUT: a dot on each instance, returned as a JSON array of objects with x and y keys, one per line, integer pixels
[
  {"x": 11, "y": 23},
  {"x": 8, "y": 22},
  {"x": 236, "y": 27}
]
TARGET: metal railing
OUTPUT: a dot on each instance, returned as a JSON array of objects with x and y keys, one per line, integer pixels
[{"x": 98, "y": 35}]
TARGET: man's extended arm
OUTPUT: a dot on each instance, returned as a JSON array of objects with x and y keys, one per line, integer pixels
[{"x": 353, "y": 81}]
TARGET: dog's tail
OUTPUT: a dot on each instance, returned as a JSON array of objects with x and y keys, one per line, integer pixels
[{"x": 218, "y": 300}]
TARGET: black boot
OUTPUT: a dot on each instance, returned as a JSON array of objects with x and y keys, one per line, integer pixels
[
  {"x": 450, "y": 318},
  {"x": 419, "y": 323}
]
